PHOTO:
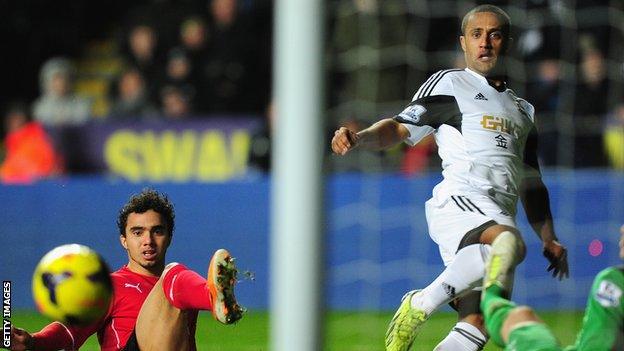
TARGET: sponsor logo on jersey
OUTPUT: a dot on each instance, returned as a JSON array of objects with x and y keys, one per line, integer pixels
[
  {"x": 412, "y": 114},
  {"x": 608, "y": 294},
  {"x": 133, "y": 286},
  {"x": 480, "y": 96},
  {"x": 501, "y": 141},
  {"x": 499, "y": 124}
]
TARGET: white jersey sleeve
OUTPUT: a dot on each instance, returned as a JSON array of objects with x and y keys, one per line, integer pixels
[
  {"x": 433, "y": 104},
  {"x": 440, "y": 83}
]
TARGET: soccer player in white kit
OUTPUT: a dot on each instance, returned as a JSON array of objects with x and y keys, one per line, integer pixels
[{"x": 487, "y": 141}]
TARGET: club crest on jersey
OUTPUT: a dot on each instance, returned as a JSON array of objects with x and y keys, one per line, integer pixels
[
  {"x": 499, "y": 124},
  {"x": 608, "y": 294},
  {"x": 412, "y": 114}
]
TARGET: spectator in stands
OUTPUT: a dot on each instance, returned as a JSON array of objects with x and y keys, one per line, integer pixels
[
  {"x": 30, "y": 154},
  {"x": 590, "y": 107},
  {"x": 544, "y": 94},
  {"x": 143, "y": 53},
  {"x": 175, "y": 103},
  {"x": 193, "y": 47},
  {"x": 614, "y": 138},
  {"x": 132, "y": 100},
  {"x": 233, "y": 75},
  {"x": 58, "y": 105},
  {"x": 179, "y": 73},
  {"x": 194, "y": 40}
]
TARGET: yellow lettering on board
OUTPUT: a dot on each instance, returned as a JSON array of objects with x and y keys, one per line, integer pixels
[
  {"x": 175, "y": 156},
  {"x": 240, "y": 142},
  {"x": 179, "y": 154},
  {"x": 152, "y": 166},
  {"x": 169, "y": 156},
  {"x": 121, "y": 154},
  {"x": 212, "y": 161}
]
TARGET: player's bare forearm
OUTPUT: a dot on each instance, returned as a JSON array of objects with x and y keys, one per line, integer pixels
[
  {"x": 536, "y": 203},
  {"x": 381, "y": 135}
]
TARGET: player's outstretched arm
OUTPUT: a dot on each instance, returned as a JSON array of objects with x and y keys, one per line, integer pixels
[
  {"x": 380, "y": 135},
  {"x": 54, "y": 336}
]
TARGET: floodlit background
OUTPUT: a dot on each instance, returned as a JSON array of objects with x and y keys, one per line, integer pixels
[{"x": 102, "y": 98}]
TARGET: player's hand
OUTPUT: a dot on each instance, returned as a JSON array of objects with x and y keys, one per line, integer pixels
[
  {"x": 557, "y": 255},
  {"x": 344, "y": 140},
  {"x": 21, "y": 340}
]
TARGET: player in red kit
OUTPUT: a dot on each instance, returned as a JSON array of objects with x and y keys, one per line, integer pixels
[{"x": 154, "y": 306}]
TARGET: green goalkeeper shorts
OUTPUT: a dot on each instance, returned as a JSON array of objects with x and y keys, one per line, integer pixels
[{"x": 532, "y": 337}]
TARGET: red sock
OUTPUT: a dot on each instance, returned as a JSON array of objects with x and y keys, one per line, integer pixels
[{"x": 186, "y": 289}]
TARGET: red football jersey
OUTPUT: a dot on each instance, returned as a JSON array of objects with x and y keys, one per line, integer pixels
[{"x": 129, "y": 292}]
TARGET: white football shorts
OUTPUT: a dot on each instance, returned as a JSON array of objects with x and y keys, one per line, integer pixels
[{"x": 450, "y": 219}]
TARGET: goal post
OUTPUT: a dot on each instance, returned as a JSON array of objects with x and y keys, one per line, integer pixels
[{"x": 297, "y": 186}]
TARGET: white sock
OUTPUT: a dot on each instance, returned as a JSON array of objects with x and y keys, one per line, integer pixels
[
  {"x": 463, "y": 273},
  {"x": 463, "y": 336}
]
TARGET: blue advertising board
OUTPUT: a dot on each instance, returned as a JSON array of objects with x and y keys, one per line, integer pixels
[{"x": 376, "y": 241}]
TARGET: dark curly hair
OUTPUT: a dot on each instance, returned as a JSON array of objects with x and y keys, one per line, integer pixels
[{"x": 148, "y": 199}]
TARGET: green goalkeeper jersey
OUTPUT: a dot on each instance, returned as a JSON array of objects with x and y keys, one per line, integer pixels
[{"x": 604, "y": 314}]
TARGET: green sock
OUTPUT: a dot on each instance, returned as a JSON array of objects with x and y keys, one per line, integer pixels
[{"x": 495, "y": 310}]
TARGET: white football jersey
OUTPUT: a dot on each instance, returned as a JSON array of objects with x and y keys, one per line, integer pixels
[{"x": 481, "y": 134}]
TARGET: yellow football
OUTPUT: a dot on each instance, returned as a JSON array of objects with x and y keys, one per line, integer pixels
[{"x": 71, "y": 284}]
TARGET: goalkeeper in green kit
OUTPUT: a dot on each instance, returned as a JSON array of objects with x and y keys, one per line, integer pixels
[{"x": 518, "y": 328}]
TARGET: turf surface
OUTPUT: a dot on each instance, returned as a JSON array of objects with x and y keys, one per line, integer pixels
[{"x": 344, "y": 331}]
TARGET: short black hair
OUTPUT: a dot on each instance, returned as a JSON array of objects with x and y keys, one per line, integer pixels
[
  {"x": 148, "y": 199},
  {"x": 503, "y": 17}
]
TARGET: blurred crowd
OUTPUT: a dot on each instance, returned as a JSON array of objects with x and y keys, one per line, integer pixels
[
  {"x": 174, "y": 65},
  {"x": 203, "y": 58},
  {"x": 171, "y": 60}
]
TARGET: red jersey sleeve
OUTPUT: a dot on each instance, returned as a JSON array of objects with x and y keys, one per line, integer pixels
[{"x": 57, "y": 336}]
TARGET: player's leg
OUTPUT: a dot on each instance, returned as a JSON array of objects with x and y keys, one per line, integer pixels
[
  {"x": 504, "y": 321},
  {"x": 163, "y": 322},
  {"x": 518, "y": 325},
  {"x": 464, "y": 270},
  {"x": 160, "y": 325},
  {"x": 469, "y": 333},
  {"x": 464, "y": 256},
  {"x": 505, "y": 255},
  {"x": 462, "y": 274}
]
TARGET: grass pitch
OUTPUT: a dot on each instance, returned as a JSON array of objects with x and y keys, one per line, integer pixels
[{"x": 344, "y": 331}]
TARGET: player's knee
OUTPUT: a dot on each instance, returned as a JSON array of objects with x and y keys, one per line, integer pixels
[
  {"x": 520, "y": 247},
  {"x": 515, "y": 238},
  {"x": 523, "y": 314}
]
